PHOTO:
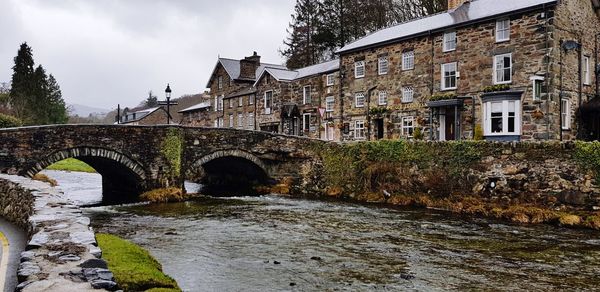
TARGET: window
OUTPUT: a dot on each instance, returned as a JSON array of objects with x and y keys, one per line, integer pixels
[
  {"x": 330, "y": 80},
  {"x": 250, "y": 121},
  {"x": 383, "y": 65},
  {"x": 231, "y": 103},
  {"x": 268, "y": 102},
  {"x": 538, "y": 87},
  {"x": 220, "y": 122},
  {"x": 502, "y": 117},
  {"x": 503, "y": 69},
  {"x": 240, "y": 121},
  {"x": 220, "y": 82},
  {"x": 408, "y": 126},
  {"x": 565, "y": 115},
  {"x": 449, "y": 76},
  {"x": 306, "y": 122},
  {"x": 216, "y": 103},
  {"x": 382, "y": 98},
  {"x": 240, "y": 101},
  {"x": 359, "y": 100},
  {"x": 329, "y": 132},
  {"x": 359, "y": 69},
  {"x": 251, "y": 99},
  {"x": 231, "y": 120},
  {"x": 503, "y": 30},
  {"x": 408, "y": 60},
  {"x": 586, "y": 70},
  {"x": 407, "y": 94},
  {"x": 329, "y": 104},
  {"x": 306, "y": 94},
  {"x": 449, "y": 41},
  {"x": 220, "y": 103},
  {"x": 216, "y": 123},
  {"x": 359, "y": 129}
]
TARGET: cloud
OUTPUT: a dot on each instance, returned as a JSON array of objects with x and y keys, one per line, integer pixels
[{"x": 111, "y": 51}]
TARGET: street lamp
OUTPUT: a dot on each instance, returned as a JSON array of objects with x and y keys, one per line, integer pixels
[{"x": 168, "y": 96}]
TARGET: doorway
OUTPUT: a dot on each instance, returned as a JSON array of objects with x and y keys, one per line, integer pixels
[{"x": 379, "y": 130}]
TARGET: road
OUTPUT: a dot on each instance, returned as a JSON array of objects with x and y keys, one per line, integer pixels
[{"x": 12, "y": 243}]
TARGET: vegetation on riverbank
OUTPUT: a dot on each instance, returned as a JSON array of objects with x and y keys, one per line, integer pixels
[
  {"x": 71, "y": 164},
  {"x": 166, "y": 195},
  {"x": 44, "y": 178},
  {"x": 133, "y": 267}
]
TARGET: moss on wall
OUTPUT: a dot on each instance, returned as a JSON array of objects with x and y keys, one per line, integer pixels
[
  {"x": 172, "y": 148},
  {"x": 587, "y": 154}
]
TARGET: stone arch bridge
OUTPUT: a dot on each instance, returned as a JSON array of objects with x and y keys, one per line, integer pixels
[{"x": 134, "y": 159}]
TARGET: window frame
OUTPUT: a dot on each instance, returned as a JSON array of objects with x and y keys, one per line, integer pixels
[
  {"x": 306, "y": 95},
  {"x": 383, "y": 60},
  {"x": 408, "y": 131},
  {"x": 359, "y": 64},
  {"x": 495, "y": 68},
  {"x": 585, "y": 67},
  {"x": 240, "y": 101},
  {"x": 250, "y": 121},
  {"x": 220, "y": 82},
  {"x": 408, "y": 60},
  {"x": 240, "y": 122},
  {"x": 364, "y": 99},
  {"x": 330, "y": 79},
  {"x": 305, "y": 123},
  {"x": 251, "y": 98},
  {"x": 443, "y": 85},
  {"x": 565, "y": 115},
  {"x": 487, "y": 118},
  {"x": 534, "y": 81},
  {"x": 405, "y": 90},
  {"x": 362, "y": 130},
  {"x": 330, "y": 101},
  {"x": 447, "y": 41},
  {"x": 230, "y": 120},
  {"x": 382, "y": 94},
  {"x": 502, "y": 30},
  {"x": 268, "y": 106}
]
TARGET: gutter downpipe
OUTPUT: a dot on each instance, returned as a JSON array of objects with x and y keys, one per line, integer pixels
[
  {"x": 369, "y": 91},
  {"x": 342, "y": 75},
  {"x": 597, "y": 67},
  {"x": 432, "y": 84}
]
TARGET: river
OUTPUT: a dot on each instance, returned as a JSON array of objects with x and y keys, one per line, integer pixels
[{"x": 274, "y": 243}]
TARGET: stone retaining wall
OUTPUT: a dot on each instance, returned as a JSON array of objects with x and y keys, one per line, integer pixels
[{"x": 62, "y": 253}]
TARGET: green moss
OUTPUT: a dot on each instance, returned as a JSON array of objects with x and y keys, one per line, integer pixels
[
  {"x": 133, "y": 267},
  {"x": 587, "y": 154},
  {"x": 72, "y": 164},
  {"x": 171, "y": 148}
]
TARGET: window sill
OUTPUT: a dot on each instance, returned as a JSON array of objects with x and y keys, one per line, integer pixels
[
  {"x": 382, "y": 74},
  {"x": 359, "y": 77},
  {"x": 448, "y": 51},
  {"x": 502, "y": 41},
  {"x": 501, "y": 83},
  {"x": 448, "y": 89},
  {"x": 408, "y": 69}
]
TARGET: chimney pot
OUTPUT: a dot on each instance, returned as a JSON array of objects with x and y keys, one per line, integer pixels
[{"x": 453, "y": 4}]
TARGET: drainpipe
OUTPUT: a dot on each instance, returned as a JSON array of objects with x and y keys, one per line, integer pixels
[
  {"x": 560, "y": 95},
  {"x": 432, "y": 70},
  {"x": 118, "y": 114},
  {"x": 368, "y": 112},
  {"x": 341, "y": 85},
  {"x": 597, "y": 67},
  {"x": 474, "y": 122},
  {"x": 580, "y": 62}
]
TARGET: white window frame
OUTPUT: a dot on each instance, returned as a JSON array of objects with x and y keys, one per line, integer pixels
[
  {"x": 220, "y": 106},
  {"x": 359, "y": 96},
  {"x": 487, "y": 114},
  {"x": 216, "y": 123},
  {"x": 383, "y": 65},
  {"x": 496, "y": 57},
  {"x": 502, "y": 30},
  {"x": 408, "y": 126},
  {"x": 329, "y": 104},
  {"x": 240, "y": 101},
  {"x": 408, "y": 94},
  {"x": 448, "y": 41},
  {"x": 220, "y": 82},
  {"x": 359, "y": 133},
  {"x": 534, "y": 81},
  {"x": 251, "y": 99},
  {"x": 306, "y": 94},
  {"x": 359, "y": 74},
  {"x": 585, "y": 64},
  {"x": 565, "y": 115},
  {"x": 330, "y": 80},
  {"x": 305, "y": 123},
  {"x": 268, "y": 106},
  {"x": 408, "y": 60},
  {"x": 329, "y": 132},
  {"x": 220, "y": 122},
  {"x": 382, "y": 98},
  {"x": 250, "y": 121},
  {"x": 444, "y": 85},
  {"x": 231, "y": 120},
  {"x": 216, "y": 104},
  {"x": 240, "y": 121}
]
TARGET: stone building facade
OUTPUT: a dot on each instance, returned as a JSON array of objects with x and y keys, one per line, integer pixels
[{"x": 429, "y": 78}]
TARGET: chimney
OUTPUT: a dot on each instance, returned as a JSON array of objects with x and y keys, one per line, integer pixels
[
  {"x": 453, "y": 4},
  {"x": 249, "y": 65}
]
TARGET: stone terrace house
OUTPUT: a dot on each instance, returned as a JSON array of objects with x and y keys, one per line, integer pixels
[
  {"x": 300, "y": 102},
  {"x": 150, "y": 116},
  {"x": 484, "y": 68}
]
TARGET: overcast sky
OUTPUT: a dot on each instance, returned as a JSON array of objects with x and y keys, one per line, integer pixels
[{"x": 104, "y": 52}]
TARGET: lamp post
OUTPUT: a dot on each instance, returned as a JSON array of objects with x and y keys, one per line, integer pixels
[{"x": 168, "y": 103}]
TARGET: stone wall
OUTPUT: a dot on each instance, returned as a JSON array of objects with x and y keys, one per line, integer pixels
[{"x": 62, "y": 253}]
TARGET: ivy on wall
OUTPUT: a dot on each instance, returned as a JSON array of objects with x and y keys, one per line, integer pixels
[{"x": 171, "y": 148}]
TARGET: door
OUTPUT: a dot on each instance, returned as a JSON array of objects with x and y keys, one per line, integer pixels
[
  {"x": 379, "y": 128},
  {"x": 450, "y": 125}
]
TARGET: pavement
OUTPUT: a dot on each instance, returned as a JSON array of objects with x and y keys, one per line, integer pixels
[{"x": 12, "y": 243}]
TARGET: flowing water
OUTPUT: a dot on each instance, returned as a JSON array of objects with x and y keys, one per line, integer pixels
[{"x": 274, "y": 243}]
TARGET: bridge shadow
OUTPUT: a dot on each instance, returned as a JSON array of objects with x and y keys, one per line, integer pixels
[
  {"x": 230, "y": 173},
  {"x": 122, "y": 178}
]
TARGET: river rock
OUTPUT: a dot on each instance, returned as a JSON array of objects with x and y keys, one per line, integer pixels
[
  {"x": 37, "y": 240},
  {"x": 104, "y": 284},
  {"x": 27, "y": 256},
  {"x": 94, "y": 263},
  {"x": 27, "y": 269},
  {"x": 83, "y": 237}
]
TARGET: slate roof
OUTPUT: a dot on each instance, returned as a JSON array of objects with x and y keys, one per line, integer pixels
[
  {"x": 201, "y": 105},
  {"x": 476, "y": 10},
  {"x": 245, "y": 91},
  {"x": 139, "y": 115},
  {"x": 233, "y": 69},
  {"x": 286, "y": 75}
]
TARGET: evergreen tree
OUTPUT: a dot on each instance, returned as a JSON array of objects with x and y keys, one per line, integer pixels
[
  {"x": 22, "y": 82},
  {"x": 57, "y": 110},
  {"x": 301, "y": 48},
  {"x": 152, "y": 100}
]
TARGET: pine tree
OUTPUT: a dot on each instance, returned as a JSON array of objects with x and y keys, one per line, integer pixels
[
  {"x": 22, "y": 82},
  {"x": 152, "y": 100},
  {"x": 301, "y": 49},
  {"x": 57, "y": 110}
]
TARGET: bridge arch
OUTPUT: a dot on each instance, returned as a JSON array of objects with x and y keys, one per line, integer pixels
[
  {"x": 230, "y": 172},
  {"x": 123, "y": 179}
]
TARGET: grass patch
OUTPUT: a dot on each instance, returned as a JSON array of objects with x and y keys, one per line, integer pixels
[
  {"x": 134, "y": 268},
  {"x": 71, "y": 164}
]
